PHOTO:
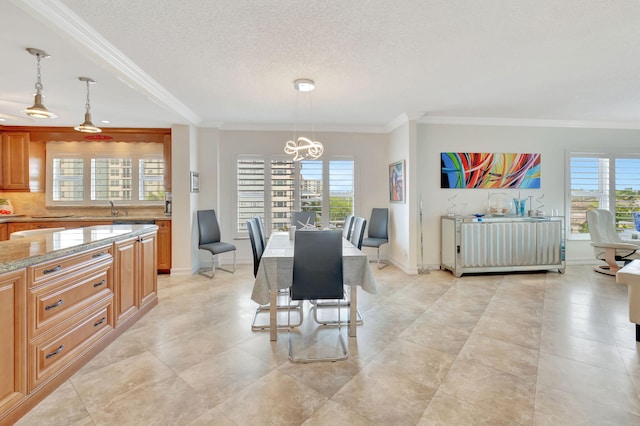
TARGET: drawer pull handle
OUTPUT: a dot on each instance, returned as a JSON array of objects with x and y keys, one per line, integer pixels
[
  {"x": 55, "y": 305},
  {"x": 56, "y": 352},
  {"x": 100, "y": 322},
  {"x": 56, "y": 269},
  {"x": 98, "y": 254},
  {"x": 100, "y": 283}
]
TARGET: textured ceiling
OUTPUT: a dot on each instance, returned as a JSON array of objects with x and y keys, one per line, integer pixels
[{"x": 231, "y": 63}]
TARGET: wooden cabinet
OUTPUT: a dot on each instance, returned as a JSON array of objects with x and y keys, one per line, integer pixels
[
  {"x": 15, "y": 161},
  {"x": 58, "y": 313},
  {"x": 164, "y": 246},
  {"x": 4, "y": 235},
  {"x": 136, "y": 280},
  {"x": 70, "y": 308},
  {"x": 13, "y": 335}
]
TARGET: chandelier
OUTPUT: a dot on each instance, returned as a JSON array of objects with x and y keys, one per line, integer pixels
[{"x": 303, "y": 148}]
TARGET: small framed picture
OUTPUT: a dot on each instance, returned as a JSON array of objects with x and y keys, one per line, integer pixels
[
  {"x": 396, "y": 182},
  {"x": 195, "y": 182}
]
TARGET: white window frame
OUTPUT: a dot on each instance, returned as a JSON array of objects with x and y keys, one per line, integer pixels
[
  {"x": 237, "y": 234},
  {"x": 608, "y": 194},
  {"x": 89, "y": 150}
]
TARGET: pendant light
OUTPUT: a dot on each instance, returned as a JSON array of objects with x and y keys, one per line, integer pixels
[
  {"x": 87, "y": 126},
  {"x": 304, "y": 148},
  {"x": 38, "y": 110}
]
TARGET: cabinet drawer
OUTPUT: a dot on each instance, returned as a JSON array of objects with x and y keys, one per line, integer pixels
[
  {"x": 43, "y": 272},
  {"x": 54, "y": 303},
  {"x": 54, "y": 351}
]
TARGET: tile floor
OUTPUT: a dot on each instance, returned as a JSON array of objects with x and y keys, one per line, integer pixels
[{"x": 517, "y": 349}]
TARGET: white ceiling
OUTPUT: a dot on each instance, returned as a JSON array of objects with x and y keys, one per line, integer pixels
[{"x": 231, "y": 63}]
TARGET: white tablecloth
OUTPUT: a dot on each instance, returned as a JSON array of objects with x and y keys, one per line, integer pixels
[{"x": 276, "y": 267}]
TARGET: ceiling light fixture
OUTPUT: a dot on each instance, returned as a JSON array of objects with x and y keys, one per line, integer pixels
[
  {"x": 87, "y": 126},
  {"x": 304, "y": 148},
  {"x": 38, "y": 110}
]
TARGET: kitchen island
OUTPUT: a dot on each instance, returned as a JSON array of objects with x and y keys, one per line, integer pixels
[{"x": 64, "y": 296}]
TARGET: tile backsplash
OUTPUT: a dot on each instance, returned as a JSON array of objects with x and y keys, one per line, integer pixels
[{"x": 33, "y": 204}]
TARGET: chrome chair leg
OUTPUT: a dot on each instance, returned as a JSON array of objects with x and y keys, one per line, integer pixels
[
  {"x": 296, "y": 305},
  {"x": 343, "y": 345},
  {"x": 231, "y": 271}
]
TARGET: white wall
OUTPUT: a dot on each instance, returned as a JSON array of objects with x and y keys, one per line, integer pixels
[
  {"x": 368, "y": 149},
  {"x": 551, "y": 143}
]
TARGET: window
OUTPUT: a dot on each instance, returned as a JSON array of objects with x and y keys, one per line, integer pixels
[
  {"x": 603, "y": 181},
  {"x": 281, "y": 186},
  {"x": 92, "y": 173}
]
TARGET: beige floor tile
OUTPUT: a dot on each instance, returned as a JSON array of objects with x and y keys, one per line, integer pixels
[
  {"x": 588, "y": 382},
  {"x": 557, "y": 407},
  {"x": 167, "y": 402},
  {"x": 434, "y": 349},
  {"x": 101, "y": 386},
  {"x": 333, "y": 413},
  {"x": 506, "y": 395},
  {"x": 385, "y": 397},
  {"x": 510, "y": 330},
  {"x": 583, "y": 350},
  {"x": 446, "y": 410},
  {"x": 504, "y": 356},
  {"x": 427, "y": 366},
  {"x": 433, "y": 334},
  {"x": 63, "y": 406},
  {"x": 230, "y": 371},
  {"x": 275, "y": 399}
]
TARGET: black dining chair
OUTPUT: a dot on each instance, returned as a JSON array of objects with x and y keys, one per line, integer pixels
[
  {"x": 258, "y": 247},
  {"x": 347, "y": 226},
  {"x": 357, "y": 233},
  {"x": 261, "y": 230},
  {"x": 377, "y": 233},
  {"x": 317, "y": 275},
  {"x": 301, "y": 219},
  {"x": 209, "y": 239}
]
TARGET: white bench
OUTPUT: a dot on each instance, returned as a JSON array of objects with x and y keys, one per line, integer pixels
[{"x": 630, "y": 275}]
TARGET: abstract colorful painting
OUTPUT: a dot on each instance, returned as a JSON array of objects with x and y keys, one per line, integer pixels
[{"x": 489, "y": 170}]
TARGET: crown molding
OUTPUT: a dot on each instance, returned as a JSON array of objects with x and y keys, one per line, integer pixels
[
  {"x": 325, "y": 128},
  {"x": 528, "y": 122},
  {"x": 58, "y": 16}
]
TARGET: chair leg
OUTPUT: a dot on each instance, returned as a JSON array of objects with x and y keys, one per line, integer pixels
[
  {"x": 384, "y": 264},
  {"x": 296, "y": 305},
  {"x": 213, "y": 268},
  {"x": 344, "y": 355},
  {"x": 231, "y": 271}
]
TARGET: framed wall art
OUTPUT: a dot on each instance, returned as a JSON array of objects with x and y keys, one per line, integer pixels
[
  {"x": 396, "y": 182},
  {"x": 489, "y": 170}
]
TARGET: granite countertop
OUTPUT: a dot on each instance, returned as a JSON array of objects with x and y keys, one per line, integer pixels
[{"x": 20, "y": 253}]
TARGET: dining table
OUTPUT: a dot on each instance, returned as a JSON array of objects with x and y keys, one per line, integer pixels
[{"x": 276, "y": 273}]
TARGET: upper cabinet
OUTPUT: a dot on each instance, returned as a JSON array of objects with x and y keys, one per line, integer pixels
[{"x": 15, "y": 161}]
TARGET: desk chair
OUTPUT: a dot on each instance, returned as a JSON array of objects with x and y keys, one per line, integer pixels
[
  {"x": 317, "y": 275},
  {"x": 258, "y": 249},
  {"x": 377, "y": 234},
  {"x": 209, "y": 239},
  {"x": 607, "y": 244},
  {"x": 301, "y": 219}
]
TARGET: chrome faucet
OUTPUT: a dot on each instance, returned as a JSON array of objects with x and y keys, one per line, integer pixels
[{"x": 114, "y": 212}]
